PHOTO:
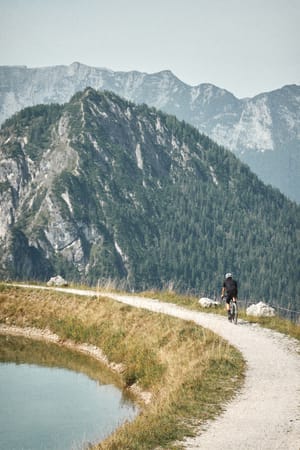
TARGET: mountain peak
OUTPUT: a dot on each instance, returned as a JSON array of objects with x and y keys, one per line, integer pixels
[
  {"x": 166, "y": 73},
  {"x": 77, "y": 64}
]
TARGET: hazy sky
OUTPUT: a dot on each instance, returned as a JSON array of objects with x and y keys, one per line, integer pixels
[{"x": 244, "y": 46}]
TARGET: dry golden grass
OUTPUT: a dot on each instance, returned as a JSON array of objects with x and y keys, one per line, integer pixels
[
  {"x": 187, "y": 369},
  {"x": 276, "y": 323}
]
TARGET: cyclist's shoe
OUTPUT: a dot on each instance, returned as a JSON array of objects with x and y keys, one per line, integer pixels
[{"x": 229, "y": 316}]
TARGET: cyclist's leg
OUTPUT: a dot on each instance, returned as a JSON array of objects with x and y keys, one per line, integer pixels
[{"x": 228, "y": 298}]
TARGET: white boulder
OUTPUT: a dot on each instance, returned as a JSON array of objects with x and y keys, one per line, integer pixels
[
  {"x": 261, "y": 309},
  {"x": 207, "y": 302},
  {"x": 57, "y": 281}
]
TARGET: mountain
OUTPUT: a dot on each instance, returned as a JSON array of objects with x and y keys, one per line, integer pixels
[
  {"x": 102, "y": 188},
  {"x": 263, "y": 131}
]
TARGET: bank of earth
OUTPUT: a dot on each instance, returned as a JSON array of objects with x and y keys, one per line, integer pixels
[{"x": 180, "y": 372}]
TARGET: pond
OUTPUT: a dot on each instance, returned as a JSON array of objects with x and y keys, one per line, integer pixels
[{"x": 56, "y": 399}]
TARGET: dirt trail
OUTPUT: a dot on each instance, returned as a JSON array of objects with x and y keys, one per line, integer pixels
[{"x": 265, "y": 415}]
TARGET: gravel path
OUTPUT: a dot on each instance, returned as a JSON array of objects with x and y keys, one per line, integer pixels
[{"x": 265, "y": 415}]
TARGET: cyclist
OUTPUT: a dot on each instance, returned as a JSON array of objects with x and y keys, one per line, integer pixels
[{"x": 231, "y": 290}]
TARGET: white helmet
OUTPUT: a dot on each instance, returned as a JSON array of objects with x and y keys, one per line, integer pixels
[{"x": 228, "y": 275}]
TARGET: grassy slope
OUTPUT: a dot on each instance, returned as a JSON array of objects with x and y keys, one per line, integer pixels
[{"x": 188, "y": 370}]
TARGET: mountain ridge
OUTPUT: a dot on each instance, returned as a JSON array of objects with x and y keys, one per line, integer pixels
[
  {"x": 77, "y": 64},
  {"x": 263, "y": 131}
]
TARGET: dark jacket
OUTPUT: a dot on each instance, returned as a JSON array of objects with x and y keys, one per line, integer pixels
[{"x": 231, "y": 287}]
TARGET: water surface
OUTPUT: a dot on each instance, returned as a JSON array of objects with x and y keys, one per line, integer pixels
[{"x": 48, "y": 406}]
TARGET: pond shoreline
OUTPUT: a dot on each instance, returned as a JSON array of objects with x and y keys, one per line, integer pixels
[{"x": 87, "y": 349}]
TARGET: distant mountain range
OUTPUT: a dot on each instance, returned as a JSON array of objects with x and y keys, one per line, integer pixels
[
  {"x": 102, "y": 188},
  {"x": 263, "y": 131}
]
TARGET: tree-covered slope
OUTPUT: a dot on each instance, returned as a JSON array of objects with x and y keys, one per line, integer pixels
[{"x": 101, "y": 188}]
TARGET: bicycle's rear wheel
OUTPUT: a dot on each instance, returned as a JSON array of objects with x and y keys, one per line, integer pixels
[{"x": 234, "y": 313}]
